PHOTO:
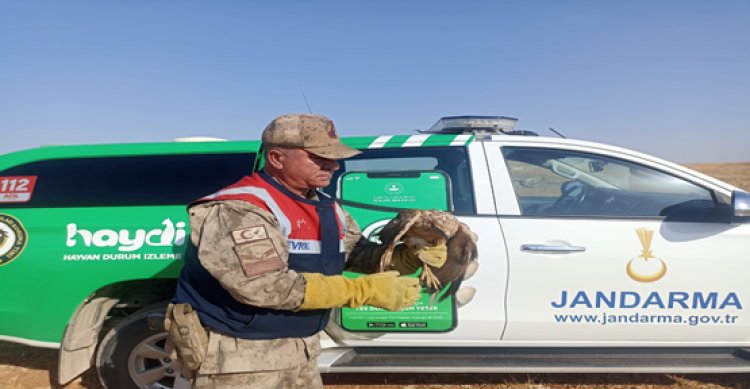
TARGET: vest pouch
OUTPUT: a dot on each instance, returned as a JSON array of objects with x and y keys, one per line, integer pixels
[{"x": 187, "y": 335}]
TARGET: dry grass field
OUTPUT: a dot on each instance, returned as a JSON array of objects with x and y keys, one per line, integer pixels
[
  {"x": 23, "y": 367},
  {"x": 737, "y": 173}
]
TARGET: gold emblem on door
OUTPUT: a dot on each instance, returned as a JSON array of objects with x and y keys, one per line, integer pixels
[{"x": 646, "y": 267}]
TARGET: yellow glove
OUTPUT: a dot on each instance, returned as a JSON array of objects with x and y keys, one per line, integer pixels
[
  {"x": 434, "y": 256},
  {"x": 384, "y": 290},
  {"x": 406, "y": 260}
]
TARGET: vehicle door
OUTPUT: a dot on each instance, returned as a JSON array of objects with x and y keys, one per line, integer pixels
[{"x": 606, "y": 246}]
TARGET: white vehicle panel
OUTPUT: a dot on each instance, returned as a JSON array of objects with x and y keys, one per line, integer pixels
[
  {"x": 590, "y": 297},
  {"x": 483, "y": 194},
  {"x": 504, "y": 197}
]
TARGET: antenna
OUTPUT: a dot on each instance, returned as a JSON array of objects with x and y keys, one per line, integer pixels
[
  {"x": 559, "y": 134},
  {"x": 304, "y": 97}
]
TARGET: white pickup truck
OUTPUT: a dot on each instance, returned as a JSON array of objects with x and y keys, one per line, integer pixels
[{"x": 591, "y": 257}]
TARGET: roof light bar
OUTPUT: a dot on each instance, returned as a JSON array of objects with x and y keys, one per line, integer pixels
[{"x": 473, "y": 124}]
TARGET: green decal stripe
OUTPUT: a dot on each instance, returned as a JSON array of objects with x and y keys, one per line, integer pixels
[
  {"x": 437, "y": 140},
  {"x": 471, "y": 139},
  {"x": 396, "y": 141},
  {"x": 416, "y": 140},
  {"x": 360, "y": 142},
  {"x": 448, "y": 140}
]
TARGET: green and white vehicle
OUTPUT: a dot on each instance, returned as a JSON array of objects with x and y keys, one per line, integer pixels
[{"x": 592, "y": 257}]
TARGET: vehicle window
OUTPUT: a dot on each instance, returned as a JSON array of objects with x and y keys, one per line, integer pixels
[
  {"x": 132, "y": 180},
  {"x": 552, "y": 182},
  {"x": 449, "y": 160}
]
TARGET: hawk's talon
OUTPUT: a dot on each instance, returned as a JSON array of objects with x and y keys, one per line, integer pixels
[{"x": 429, "y": 279}]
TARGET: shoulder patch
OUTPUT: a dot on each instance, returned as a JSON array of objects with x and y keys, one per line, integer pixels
[
  {"x": 258, "y": 257},
  {"x": 249, "y": 234}
]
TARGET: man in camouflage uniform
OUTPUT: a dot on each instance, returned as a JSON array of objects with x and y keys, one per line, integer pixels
[{"x": 263, "y": 268}]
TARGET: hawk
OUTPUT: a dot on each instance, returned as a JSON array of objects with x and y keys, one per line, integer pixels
[{"x": 419, "y": 228}]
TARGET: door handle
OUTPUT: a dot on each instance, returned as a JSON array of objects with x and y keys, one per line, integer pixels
[{"x": 552, "y": 249}]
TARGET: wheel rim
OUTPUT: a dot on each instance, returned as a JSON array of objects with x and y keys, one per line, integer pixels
[{"x": 151, "y": 367}]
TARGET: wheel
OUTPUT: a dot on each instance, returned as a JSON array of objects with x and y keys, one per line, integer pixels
[{"x": 132, "y": 354}]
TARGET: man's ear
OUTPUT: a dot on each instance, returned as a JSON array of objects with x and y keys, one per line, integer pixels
[{"x": 275, "y": 158}]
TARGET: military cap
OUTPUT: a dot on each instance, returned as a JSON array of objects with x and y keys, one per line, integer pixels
[{"x": 314, "y": 133}]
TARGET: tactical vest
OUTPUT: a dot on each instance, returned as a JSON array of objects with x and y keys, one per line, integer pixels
[{"x": 315, "y": 235}]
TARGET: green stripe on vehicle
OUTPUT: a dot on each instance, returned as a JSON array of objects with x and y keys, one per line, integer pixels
[
  {"x": 416, "y": 140},
  {"x": 397, "y": 141}
]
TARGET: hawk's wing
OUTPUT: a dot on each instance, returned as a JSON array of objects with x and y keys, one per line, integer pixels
[
  {"x": 391, "y": 234},
  {"x": 462, "y": 250}
]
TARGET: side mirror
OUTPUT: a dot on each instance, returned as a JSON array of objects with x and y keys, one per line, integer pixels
[
  {"x": 596, "y": 166},
  {"x": 741, "y": 207}
]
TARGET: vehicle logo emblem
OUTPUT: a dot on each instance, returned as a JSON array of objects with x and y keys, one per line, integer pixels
[
  {"x": 13, "y": 238},
  {"x": 393, "y": 188},
  {"x": 646, "y": 267}
]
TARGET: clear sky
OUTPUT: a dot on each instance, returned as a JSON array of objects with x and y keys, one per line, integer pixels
[{"x": 669, "y": 78}]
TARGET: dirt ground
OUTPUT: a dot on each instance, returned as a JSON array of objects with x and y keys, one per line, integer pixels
[{"x": 23, "y": 367}]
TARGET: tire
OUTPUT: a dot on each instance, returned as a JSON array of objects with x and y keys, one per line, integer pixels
[{"x": 132, "y": 354}]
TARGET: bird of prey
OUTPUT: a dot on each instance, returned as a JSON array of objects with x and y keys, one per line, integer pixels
[
  {"x": 3, "y": 237},
  {"x": 418, "y": 228}
]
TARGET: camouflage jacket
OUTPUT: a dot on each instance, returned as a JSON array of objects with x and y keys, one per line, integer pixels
[{"x": 212, "y": 224}]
